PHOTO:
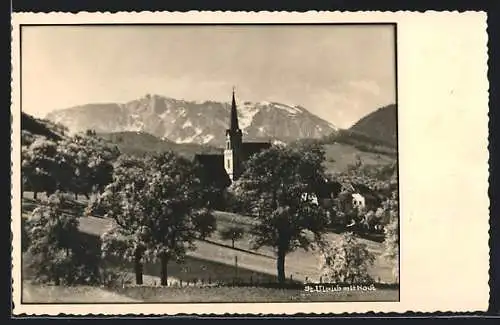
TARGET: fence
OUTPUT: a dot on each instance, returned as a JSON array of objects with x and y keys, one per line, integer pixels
[{"x": 209, "y": 282}]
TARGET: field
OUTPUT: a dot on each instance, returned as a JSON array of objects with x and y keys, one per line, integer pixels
[
  {"x": 215, "y": 260},
  {"x": 339, "y": 156}
]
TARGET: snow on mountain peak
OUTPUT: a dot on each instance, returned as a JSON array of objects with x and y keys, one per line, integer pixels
[
  {"x": 289, "y": 108},
  {"x": 182, "y": 111},
  {"x": 246, "y": 113},
  {"x": 207, "y": 138}
]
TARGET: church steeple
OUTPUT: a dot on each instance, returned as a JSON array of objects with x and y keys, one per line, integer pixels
[
  {"x": 234, "y": 116},
  {"x": 232, "y": 152}
]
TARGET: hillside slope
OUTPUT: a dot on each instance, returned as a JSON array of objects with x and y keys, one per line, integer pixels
[
  {"x": 139, "y": 143},
  {"x": 379, "y": 125},
  {"x": 41, "y": 127},
  {"x": 338, "y": 155}
]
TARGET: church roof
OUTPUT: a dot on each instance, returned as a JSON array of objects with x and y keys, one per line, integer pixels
[
  {"x": 248, "y": 149},
  {"x": 213, "y": 171}
]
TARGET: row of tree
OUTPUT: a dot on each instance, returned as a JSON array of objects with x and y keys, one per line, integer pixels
[{"x": 82, "y": 164}]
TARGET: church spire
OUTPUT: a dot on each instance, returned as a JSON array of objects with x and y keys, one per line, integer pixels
[{"x": 234, "y": 116}]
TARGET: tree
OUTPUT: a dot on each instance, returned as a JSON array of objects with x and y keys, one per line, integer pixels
[
  {"x": 89, "y": 163},
  {"x": 40, "y": 166},
  {"x": 158, "y": 207},
  {"x": 177, "y": 209},
  {"x": 53, "y": 244},
  {"x": 278, "y": 186},
  {"x": 233, "y": 233},
  {"x": 121, "y": 200},
  {"x": 27, "y": 138},
  {"x": 346, "y": 261}
]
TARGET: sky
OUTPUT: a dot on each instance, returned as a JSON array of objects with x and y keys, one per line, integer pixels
[{"x": 338, "y": 72}]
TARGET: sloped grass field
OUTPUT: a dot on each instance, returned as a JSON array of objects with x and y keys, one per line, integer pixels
[{"x": 339, "y": 156}]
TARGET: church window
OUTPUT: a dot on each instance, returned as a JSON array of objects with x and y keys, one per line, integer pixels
[{"x": 229, "y": 163}]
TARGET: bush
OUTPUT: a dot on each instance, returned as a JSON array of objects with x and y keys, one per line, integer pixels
[
  {"x": 233, "y": 204},
  {"x": 346, "y": 261},
  {"x": 113, "y": 276}
]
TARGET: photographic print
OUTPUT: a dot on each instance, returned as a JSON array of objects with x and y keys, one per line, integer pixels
[
  {"x": 216, "y": 163},
  {"x": 224, "y": 163}
]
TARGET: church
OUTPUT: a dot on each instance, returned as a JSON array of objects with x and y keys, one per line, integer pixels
[
  {"x": 221, "y": 170},
  {"x": 236, "y": 151}
]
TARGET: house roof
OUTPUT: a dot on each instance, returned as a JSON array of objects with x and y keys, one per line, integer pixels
[
  {"x": 362, "y": 189},
  {"x": 328, "y": 189}
]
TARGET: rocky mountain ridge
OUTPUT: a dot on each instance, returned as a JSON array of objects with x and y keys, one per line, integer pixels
[{"x": 197, "y": 122}]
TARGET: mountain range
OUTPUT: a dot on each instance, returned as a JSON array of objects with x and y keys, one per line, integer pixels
[
  {"x": 204, "y": 122},
  {"x": 375, "y": 132}
]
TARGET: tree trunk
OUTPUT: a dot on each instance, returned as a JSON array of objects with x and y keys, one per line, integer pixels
[
  {"x": 34, "y": 195},
  {"x": 232, "y": 242},
  {"x": 164, "y": 274},
  {"x": 138, "y": 269},
  {"x": 87, "y": 196},
  {"x": 281, "y": 266},
  {"x": 76, "y": 197}
]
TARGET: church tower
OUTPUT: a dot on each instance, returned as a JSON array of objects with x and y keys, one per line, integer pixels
[{"x": 232, "y": 151}]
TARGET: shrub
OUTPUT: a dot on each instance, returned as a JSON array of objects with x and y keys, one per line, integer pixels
[{"x": 346, "y": 261}]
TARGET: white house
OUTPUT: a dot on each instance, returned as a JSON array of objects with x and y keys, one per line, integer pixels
[
  {"x": 358, "y": 200},
  {"x": 312, "y": 197}
]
